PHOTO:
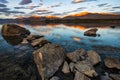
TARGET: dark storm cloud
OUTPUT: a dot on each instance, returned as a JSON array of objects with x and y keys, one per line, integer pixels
[
  {"x": 117, "y": 7},
  {"x": 24, "y": 2},
  {"x": 3, "y": 1},
  {"x": 2, "y": 5},
  {"x": 101, "y": 5},
  {"x": 79, "y": 1}
]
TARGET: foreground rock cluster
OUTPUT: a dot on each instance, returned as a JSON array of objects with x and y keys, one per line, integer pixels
[{"x": 54, "y": 64}]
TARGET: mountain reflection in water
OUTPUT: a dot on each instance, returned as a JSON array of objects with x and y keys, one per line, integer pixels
[{"x": 71, "y": 37}]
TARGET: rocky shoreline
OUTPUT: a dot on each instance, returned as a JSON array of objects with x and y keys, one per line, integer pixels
[{"x": 35, "y": 58}]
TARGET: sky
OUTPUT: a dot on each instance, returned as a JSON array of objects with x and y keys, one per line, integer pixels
[{"x": 25, "y": 8}]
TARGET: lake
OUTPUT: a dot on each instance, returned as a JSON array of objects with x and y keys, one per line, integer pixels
[{"x": 71, "y": 37}]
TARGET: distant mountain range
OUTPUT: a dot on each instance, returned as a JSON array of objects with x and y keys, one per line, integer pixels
[
  {"x": 87, "y": 15},
  {"x": 83, "y": 15},
  {"x": 79, "y": 17}
]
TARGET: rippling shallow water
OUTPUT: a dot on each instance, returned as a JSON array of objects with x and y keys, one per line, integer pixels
[{"x": 72, "y": 37}]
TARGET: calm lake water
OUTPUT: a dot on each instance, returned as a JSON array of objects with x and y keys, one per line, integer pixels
[{"x": 72, "y": 37}]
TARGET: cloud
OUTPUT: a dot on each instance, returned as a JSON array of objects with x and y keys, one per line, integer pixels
[
  {"x": 81, "y": 8},
  {"x": 78, "y": 1},
  {"x": 24, "y": 2},
  {"x": 4, "y": 10},
  {"x": 56, "y": 4},
  {"x": 49, "y": 12},
  {"x": 32, "y": 7},
  {"x": 8, "y": 11},
  {"x": 2, "y": 5},
  {"x": 117, "y": 7},
  {"x": 3, "y": 1},
  {"x": 57, "y": 14},
  {"x": 27, "y": 7},
  {"x": 19, "y": 7},
  {"x": 101, "y": 5}
]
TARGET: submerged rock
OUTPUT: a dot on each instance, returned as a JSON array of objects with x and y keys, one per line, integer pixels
[
  {"x": 80, "y": 76},
  {"x": 55, "y": 78},
  {"x": 105, "y": 77},
  {"x": 76, "y": 55},
  {"x": 93, "y": 57},
  {"x": 112, "y": 63},
  {"x": 115, "y": 76},
  {"x": 91, "y": 32},
  {"x": 48, "y": 60}
]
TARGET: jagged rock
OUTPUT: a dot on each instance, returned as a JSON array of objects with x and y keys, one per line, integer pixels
[
  {"x": 93, "y": 57},
  {"x": 14, "y": 34},
  {"x": 76, "y": 55},
  {"x": 33, "y": 37},
  {"x": 65, "y": 68},
  {"x": 48, "y": 59},
  {"x": 55, "y": 78},
  {"x": 91, "y": 32},
  {"x": 72, "y": 66},
  {"x": 80, "y": 76},
  {"x": 86, "y": 68},
  {"x": 39, "y": 42},
  {"x": 115, "y": 76},
  {"x": 24, "y": 41},
  {"x": 112, "y": 63},
  {"x": 105, "y": 77}
]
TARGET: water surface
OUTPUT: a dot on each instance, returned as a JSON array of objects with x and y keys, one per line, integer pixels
[{"x": 72, "y": 37}]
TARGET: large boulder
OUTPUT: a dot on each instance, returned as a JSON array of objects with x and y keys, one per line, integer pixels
[
  {"x": 14, "y": 30},
  {"x": 14, "y": 34},
  {"x": 93, "y": 57},
  {"x": 48, "y": 60},
  {"x": 76, "y": 55},
  {"x": 112, "y": 63},
  {"x": 91, "y": 32}
]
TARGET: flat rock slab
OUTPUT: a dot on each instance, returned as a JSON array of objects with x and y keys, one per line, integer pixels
[{"x": 48, "y": 60}]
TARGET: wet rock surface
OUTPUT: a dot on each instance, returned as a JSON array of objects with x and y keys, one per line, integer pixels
[
  {"x": 93, "y": 57},
  {"x": 111, "y": 62},
  {"x": 91, "y": 32},
  {"x": 48, "y": 60},
  {"x": 14, "y": 34}
]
